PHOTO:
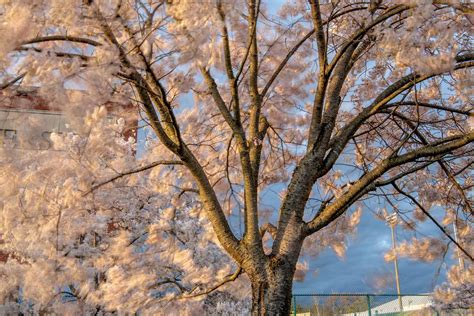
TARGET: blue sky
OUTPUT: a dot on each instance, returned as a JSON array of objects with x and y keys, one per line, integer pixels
[{"x": 364, "y": 260}]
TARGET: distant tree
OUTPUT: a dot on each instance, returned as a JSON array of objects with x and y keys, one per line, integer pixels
[
  {"x": 335, "y": 305},
  {"x": 458, "y": 293},
  {"x": 355, "y": 304},
  {"x": 337, "y": 102}
]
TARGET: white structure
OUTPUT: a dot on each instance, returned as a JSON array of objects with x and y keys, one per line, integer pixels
[
  {"x": 12, "y": 126},
  {"x": 410, "y": 303},
  {"x": 26, "y": 116}
]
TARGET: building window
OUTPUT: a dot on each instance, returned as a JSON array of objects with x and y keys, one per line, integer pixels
[{"x": 7, "y": 136}]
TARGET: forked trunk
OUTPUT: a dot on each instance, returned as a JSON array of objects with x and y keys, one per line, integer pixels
[
  {"x": 273, "y": 296},
  {"x": 272, "y": 281}
]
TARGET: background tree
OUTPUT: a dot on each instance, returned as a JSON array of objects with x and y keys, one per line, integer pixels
[{"x": 336, "y": 101}]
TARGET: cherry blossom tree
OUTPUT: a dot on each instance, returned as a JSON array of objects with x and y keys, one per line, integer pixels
[{"x": 331, "y": 104}]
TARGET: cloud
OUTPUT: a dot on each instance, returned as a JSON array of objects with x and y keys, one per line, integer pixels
[{"x": 364, "y": 260}]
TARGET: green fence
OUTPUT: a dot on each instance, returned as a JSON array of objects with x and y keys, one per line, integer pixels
[{"x": 366, "y": 305}]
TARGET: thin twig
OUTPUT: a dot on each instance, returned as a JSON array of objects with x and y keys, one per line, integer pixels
[
  {"x": 432, "y": 219},
  {"x": 140, "y": 169}
]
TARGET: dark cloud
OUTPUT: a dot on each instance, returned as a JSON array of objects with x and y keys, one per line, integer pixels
[{"x": 364, "y": 260}]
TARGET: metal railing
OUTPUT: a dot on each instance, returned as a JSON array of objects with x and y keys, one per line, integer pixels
[{"x": 366, "y": 305}]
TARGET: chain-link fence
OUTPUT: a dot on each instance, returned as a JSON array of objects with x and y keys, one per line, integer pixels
[{"x": 366, "y": 305}]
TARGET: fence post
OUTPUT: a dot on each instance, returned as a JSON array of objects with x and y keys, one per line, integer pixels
[
  {"x": 368, "y": 305},
  {"x": 294, "y": 305}
]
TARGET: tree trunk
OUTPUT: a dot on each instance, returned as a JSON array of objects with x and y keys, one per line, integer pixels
[{"x": 273, "y": 295}]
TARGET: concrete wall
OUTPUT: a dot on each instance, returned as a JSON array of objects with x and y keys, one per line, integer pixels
[{"x": 15, "y": 134}]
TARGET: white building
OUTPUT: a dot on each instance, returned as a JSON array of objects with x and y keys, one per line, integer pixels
[
  {"x": 409, "y": 304},
  {"x": 20, "y": 106}
]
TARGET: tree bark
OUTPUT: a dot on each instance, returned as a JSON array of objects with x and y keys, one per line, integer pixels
[
  {"x": 272, "y": 285},
  {"x": 273, "y": 296}
]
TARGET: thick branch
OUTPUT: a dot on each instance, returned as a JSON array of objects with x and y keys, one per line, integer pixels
[
  {"x": 428, "y": 105},
  {"x": 320, "y": 38},
  {"x": 219, "y": 101},
  {"x": 339, "y": 141},
  {"x": 208, "y": 197},
  {"x": 251, "y": 175},
  {"x": 270, "y": 228},
  {"x": 367, "y": 182},
  {"x": 157, "y": 92},
  {"x": 230, "y": 278},
  {"x": 67, "y": 38},
  {"x": 228, "y": 66},
  {"x": 357, "y": 36}
]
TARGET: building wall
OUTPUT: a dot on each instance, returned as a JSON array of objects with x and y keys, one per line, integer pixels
[
  {"x": 19, "y": 107},
  {"x": 13, "y": 128}
]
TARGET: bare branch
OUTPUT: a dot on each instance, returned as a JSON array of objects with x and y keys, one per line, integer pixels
[
  {"x": 181, "y": 287},
  {"x": 228, "y": 65},
  {"x": 270, "y": 228},
  {"x": 133, "y": 171},
  {"x": 363, "y": 31},
  {"x": 230, "y": 278},
  {"x": 11, "y": 82},
  {"x": 339, "y": 141},
  {"x": 58, "y": 54},
  {"x": 432, "y": 219},
  {"x": 441, "y": 162},
  {"x": 67, "y": 38},
  {"x": 212, "y": 86},
  {"x": 405, "y": 173},
  {"x": 367, "y": 182},
  {"x": 295, "y": 48},
  {"x": 283, "y": 63},
  {"x": 428, "y": 105}
]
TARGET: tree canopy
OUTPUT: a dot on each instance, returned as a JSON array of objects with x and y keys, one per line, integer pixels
[{"x": 326, "y": 106}]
